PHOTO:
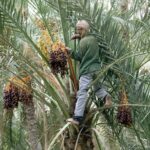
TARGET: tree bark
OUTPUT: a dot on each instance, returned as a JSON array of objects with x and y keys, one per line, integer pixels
[
  {"x": 31, "y": 127},
  {"x": 81, "y": 140}
]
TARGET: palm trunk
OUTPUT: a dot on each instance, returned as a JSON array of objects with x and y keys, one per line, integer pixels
[
  {"x": 7, "y": 139},
  {"x": 32, "y": 126},
  {"x": 45, "y": 127},
  {"x": 80, "y": 140}
]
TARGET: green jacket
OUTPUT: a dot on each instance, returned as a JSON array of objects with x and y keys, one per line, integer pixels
[{"x": 87, "y": 55}]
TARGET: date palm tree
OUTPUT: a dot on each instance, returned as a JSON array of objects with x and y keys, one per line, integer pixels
[{"x": 53, "y": 96}]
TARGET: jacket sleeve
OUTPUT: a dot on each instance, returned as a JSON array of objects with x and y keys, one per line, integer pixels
[{"x": 78, "y": 55}]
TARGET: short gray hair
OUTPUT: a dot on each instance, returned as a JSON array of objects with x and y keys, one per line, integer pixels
[{"x": 83, "y": 24}]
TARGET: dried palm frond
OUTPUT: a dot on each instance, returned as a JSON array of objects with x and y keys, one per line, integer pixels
[{"x": 56, "y": 84}]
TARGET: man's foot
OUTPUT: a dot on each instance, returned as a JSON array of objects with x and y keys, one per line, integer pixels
[
  {"x": 73, "y": 121},
  {"x": 108, "y": 101}
]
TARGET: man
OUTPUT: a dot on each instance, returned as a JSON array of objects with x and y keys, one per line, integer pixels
[{"x": 88, "y": 56}]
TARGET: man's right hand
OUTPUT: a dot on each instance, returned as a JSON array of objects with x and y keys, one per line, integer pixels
[{"x": 75, "y": 36}]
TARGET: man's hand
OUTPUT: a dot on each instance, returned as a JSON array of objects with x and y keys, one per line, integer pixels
[
  {"x": 75, "y": 36},
  {"x": 68, "y": 49}
]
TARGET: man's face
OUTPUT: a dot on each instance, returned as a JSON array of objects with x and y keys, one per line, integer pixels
[{"x": 80, "y": 30}]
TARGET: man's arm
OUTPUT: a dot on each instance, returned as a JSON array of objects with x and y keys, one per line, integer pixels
[
  {"x": 77, "y": 55},
  {"x": 74, "y": 54}
]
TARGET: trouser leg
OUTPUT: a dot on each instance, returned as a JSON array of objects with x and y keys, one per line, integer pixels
[
  {"x": 99, "y": 89},
  {"x": 82, "y": 95}
]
